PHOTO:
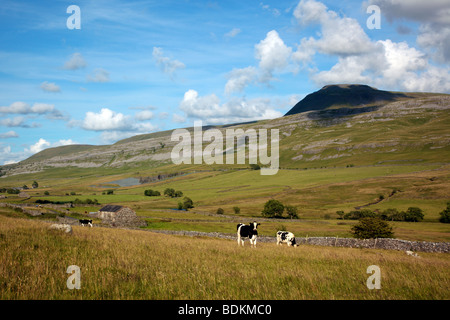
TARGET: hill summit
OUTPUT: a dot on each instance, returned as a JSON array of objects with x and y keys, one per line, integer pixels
[{"x": 343, "y": 95}]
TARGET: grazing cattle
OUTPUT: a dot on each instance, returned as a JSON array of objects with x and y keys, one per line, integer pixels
[
  {"x": 286, "y": 237},
  {"x": 247, "y": 231},
  {"x": 85, "y": 222}
]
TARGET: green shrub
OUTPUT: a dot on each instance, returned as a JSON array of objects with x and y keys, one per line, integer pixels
[
  {"x": 414, "y": 214},
  {"x": 273, "y": 209},
  {"x": 220, "y": 211},
  {"x": 237, "y": 210},
  {"x": 187, "y": 203},
  {"x": 445, "y": 214},
  {"x": 369, "y": 228},
  {"x": 291, "y": 212}
]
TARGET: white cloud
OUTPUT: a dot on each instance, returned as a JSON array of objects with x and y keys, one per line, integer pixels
[
  {"x": 434, "y": 17},
  {"x": 209, "y": 109},
  {"x": 238, "y": 79},
  {"x": 167, "y": 65},
  {"x": 106, "y": 119},
  {"x": 116, "y": 125},
  {"x": 38, "y": 146},
  {"x": 9, "y": 134},
  {"x": 50, "y": 87},
  {"x": 178, "y": 118},
  {"x": 144, "y": 115},
  {"x": 99, "y": 75},
  {"x": 274, "y": 11},
  {"x": 233, "y": 33},
  {"x": 272, "y": 53},
  {"x": 75, "y": 62},
  {"x": 339, "y": 35}
]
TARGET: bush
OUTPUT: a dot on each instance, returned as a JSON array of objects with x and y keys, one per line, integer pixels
[
  {"x": 369, "y": 228},
  {"x": 392, "y": 214},
  {"x": 220, "y": 211},
  {"x": 170, "y": 192},
  {"x": 414, "y": 214},
  {"x": 46, "y": 193},
  {"x": 152, "y": 193},
  {"x": 187, "y": 203},
  {"x": 445, "y": 215},
  {"x": 292, "y": 212},
  {"x": 255, "y": 166},
  {"x": 358, "y": 214},
  {"x": 273, "y": 209},
  {"x": 237, "y": 210},
  {"x": 178, "y": 194}
]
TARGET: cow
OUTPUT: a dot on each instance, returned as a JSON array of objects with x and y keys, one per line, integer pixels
[
  {"x": 85, "y": 222},
  {"x": 244, "y": 231},
  {"x": 287, "y": 237}
]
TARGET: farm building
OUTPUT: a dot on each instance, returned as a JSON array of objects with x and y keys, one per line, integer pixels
[{"x": 119, "y": 216}]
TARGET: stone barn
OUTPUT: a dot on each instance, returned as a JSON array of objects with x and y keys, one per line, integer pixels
[{"x": 120, "y": 216}]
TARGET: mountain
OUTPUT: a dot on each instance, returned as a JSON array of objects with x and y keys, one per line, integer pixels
[
  {"x": 344, "y": 95},
  {"x": 339, "y": 125}
]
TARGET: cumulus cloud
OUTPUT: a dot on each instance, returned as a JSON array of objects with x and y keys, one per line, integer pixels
[
  {"x": 75, "y": 62},
  {"x": 211, "y": 110},
  {"x": 238, "y": 79},
  {"x": 273, "y": 56},
  {"x": 9, "y": 134},
  {"x": 106, "y": 119},
  {"x": 340, "y": 36},
  {"x": 38, "y": 146},
  {"x": 382, "y": 63},
  {"x": 434, "y": 19},
  {"x": 50, "y": 87},
  {"x": 23, "y": 108},
  {"x": 144, "y": 115},
  {"x": 167, "y": 65},
  {"x": 99, "y": 75},
  {"x": 116, "y": 125}
]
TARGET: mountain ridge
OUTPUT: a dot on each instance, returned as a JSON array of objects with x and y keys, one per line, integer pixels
[{"x": 410, "y": 126}]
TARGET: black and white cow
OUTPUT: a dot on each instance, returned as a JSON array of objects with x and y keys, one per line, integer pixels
[
  {"x": 85, "y": 222},
  {"x": 286, "y": 237},
  {"x": 247, "y": 231}
]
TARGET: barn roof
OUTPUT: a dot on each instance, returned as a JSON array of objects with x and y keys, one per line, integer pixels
[{"x": 111, "y": 208}]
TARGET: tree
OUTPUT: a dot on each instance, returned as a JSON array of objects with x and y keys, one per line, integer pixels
[
  {"x": 445, "y": 215},
  {"x": 152, "y": 193},
  {"x": 187, "y": 203},
  {"x": 35, "y": 184},
  {"x": 292, "y": 212},
  {"x": 178, "y": 194},
  {"x": 273, "y": 209},
  {"x": 220, "y": 211},
  {"x": 237, "y": 210},
  {"x": 369, "y": 228},
  {"x": 340, "y": 213},
  {"x": 170, "y": 192},
  {"x": 414, "y": 214}
]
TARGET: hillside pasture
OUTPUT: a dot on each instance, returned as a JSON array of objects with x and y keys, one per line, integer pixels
[{"x": 133, "y": 264}]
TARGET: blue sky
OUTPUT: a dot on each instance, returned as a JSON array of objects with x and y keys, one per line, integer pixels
[{"x": 136, "y": 67}]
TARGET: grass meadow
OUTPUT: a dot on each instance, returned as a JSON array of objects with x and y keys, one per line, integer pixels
[{"x": 137, "y": 264}]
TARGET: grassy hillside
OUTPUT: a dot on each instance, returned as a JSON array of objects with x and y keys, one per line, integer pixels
[{"x": 130, "y": 264}]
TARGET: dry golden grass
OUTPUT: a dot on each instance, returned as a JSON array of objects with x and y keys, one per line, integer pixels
[{"x": 132, "y": 264}]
